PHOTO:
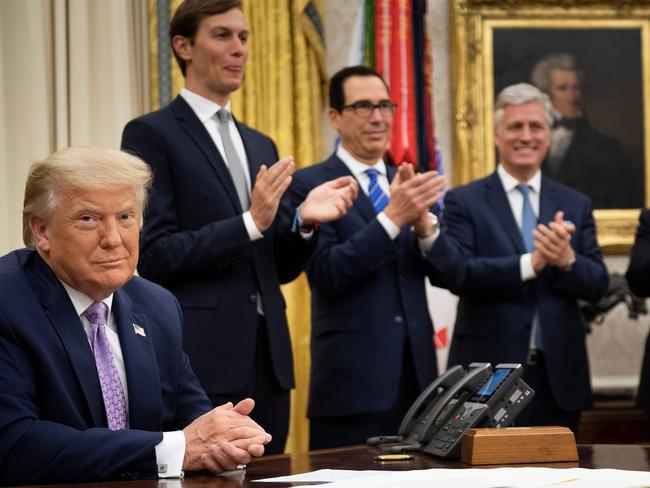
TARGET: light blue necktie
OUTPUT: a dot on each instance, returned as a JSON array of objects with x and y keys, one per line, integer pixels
[
  {"x": 528, "y": 218},
  {"x": 377, "y": 196},
  {"x": 528, "y": 224}
]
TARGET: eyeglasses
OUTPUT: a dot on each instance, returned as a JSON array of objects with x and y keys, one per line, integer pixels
[{"x": 364, "y": 108}]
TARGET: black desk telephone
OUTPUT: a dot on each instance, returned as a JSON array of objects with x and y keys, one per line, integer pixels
[{"x": 455, "y": 402}]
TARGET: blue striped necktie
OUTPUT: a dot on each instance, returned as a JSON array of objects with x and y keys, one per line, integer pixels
[{"x": 377, "y": 196}]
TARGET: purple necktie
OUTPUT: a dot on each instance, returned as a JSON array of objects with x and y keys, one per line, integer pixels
[{"x": 109, "y": 380}]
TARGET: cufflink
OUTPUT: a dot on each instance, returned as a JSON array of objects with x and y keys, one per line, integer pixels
[{"x": 162, "y": 469}]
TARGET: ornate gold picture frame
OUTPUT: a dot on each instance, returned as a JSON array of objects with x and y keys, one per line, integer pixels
[{"x": 497, "y": 42}]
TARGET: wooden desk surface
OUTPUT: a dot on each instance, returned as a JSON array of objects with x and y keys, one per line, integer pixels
[{"x": 633, "y": 457}]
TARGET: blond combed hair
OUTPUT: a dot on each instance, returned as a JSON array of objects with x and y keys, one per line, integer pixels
[{"x": 81, "y": 168}]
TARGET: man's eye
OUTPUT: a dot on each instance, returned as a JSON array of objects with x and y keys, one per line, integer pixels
[
  {"x": 363, "y": 105},
  {"x": 86, "y": 218},
  {"x": 385, "y": 104}
]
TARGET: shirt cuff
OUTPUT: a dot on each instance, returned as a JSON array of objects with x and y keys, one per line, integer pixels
[
  {"x": 426, "y": 243},
  {"x": 389, "y": 226},
  {"x": 170, "y": 453},
  {"x": 253, "y": 232},
  {"x": 526, "y": 267}
]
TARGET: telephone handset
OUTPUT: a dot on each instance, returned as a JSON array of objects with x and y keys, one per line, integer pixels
[
  {"x": 431, "y": 410},
  {"x": 423, "y": 402},
  {"x": 494, "y": 403}
]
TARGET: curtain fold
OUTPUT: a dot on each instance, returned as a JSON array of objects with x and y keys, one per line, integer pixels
[{"x": 74, "y": 74}]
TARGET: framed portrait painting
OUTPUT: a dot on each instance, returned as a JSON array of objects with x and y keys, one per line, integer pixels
[{"x": 592, "y": 59}]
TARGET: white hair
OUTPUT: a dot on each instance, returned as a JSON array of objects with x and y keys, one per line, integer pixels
[{"x": 519, "y": 94}]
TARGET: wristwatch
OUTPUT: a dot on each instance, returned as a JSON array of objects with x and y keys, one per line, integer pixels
[{"x": 433, "y": 227}]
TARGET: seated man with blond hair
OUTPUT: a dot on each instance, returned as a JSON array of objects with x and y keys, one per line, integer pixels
[{"x": 94, "y": 383}]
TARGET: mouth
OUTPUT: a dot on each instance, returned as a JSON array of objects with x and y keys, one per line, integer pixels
[
  {"x": 112, "y": 261},
  {"x": 234, "y": 69}
]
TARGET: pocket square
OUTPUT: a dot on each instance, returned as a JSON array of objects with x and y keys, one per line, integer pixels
[{"x": 139, "y": 330}]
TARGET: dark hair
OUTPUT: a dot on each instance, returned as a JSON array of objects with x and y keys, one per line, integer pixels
[
  {"x": 337, "y": 97},
  {"x": 189, "y": 15}
]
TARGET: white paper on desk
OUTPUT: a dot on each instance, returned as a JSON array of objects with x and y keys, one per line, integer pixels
[
  {"x": 495, "y": 478},
  {"x": 323, "y": 476}
]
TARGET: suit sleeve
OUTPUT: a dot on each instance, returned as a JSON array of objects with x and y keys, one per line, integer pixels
[
  {"x": 638, "y": 271},
  {"x": 168, "y": 252},
  {"x": 494, "y": 277},
  {"x": 443, "y": 263},
  {"x": 34, "y": 451},
  {"x": 588, "y": 278},
  {"x": 338, "y": 265},
  {"x": 292, "y": 251}
]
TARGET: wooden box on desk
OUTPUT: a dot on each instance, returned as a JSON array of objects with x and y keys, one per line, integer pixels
[{"x": 515, "y": 445}]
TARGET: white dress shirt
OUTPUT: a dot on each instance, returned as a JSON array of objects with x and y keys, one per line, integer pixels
[
  {"x": 516, "y": 200},
  {"x": 206, "y": 111},
  {"x": 358, "y": 170},
  {"x": 171, "y": 450}
]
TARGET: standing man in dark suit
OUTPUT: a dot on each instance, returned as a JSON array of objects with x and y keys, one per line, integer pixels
[
  {"x": 531, "y": 254},
  {"x": 211, "y": 235},
  {"x": 94, "y": 383},
  {"x": 372, "y": 346},
  {"x": 638, "y": 277}
]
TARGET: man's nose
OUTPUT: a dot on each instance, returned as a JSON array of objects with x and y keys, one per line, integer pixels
[
  {"x": 526, "y": 133},
  {"x": 110, "y": 234},
  {"x": 376, "y": 115},
  {"x": 237, "y": 47}
]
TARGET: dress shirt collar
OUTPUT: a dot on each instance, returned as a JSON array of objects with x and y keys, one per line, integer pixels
[
  {"x": 355, "y": 166},
  {"x": 81, "y": 302},
  {"x": 202, "y": 107},
  {"x": 509, "y": 182}
]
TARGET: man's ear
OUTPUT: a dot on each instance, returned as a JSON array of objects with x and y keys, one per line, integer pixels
[
  {"x": 183, "y": 47},
  {"x": 334, "y": 118},
  {"x": 40, "y": 233}
]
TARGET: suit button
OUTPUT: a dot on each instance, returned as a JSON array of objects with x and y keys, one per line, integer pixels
[
  {"x": 398, "y": 319},
  {"x": 253, "y": 298}
]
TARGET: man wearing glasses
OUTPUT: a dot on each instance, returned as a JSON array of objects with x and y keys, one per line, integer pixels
[{"x": 372, "y": 348}]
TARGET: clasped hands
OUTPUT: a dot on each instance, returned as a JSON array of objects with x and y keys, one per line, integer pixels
[
  {"x": 328, "y": 201},
  {"x": 553, "y": 244},
  {"x": 411, "y": 196},
  {"x": 223, "y": 438}
]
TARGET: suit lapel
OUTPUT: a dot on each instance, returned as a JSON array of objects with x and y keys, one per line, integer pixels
[
  {"x": 142, "y": 374},
  {"x": 255, "y": 159},
  {"x": 67, "y": 324},
  {"x": 193, "y": 127},
  {"x": 548, "y": 203},
  {"x": 498, "y": 200}
]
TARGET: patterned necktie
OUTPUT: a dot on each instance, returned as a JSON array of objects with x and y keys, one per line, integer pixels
[
  {"x": 234, "y": 163},
  {"x": 109, "y": 380},
  {"x": 377, "y": 196},
  {"x": 528, "y": 224},
  {"x": 528, "y": 218}
]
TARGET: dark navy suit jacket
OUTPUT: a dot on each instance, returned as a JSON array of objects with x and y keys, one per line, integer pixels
[
  {"x": 496, "y": 308},
  {"x": 638, "y": 277},
  {"x": 368, "y": 297},
  {"x": 194, "y": 243},
  {"x": 52, "y": 419}
]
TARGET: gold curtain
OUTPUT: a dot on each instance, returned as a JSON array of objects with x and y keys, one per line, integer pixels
[{"x": 283, "y": 95}]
